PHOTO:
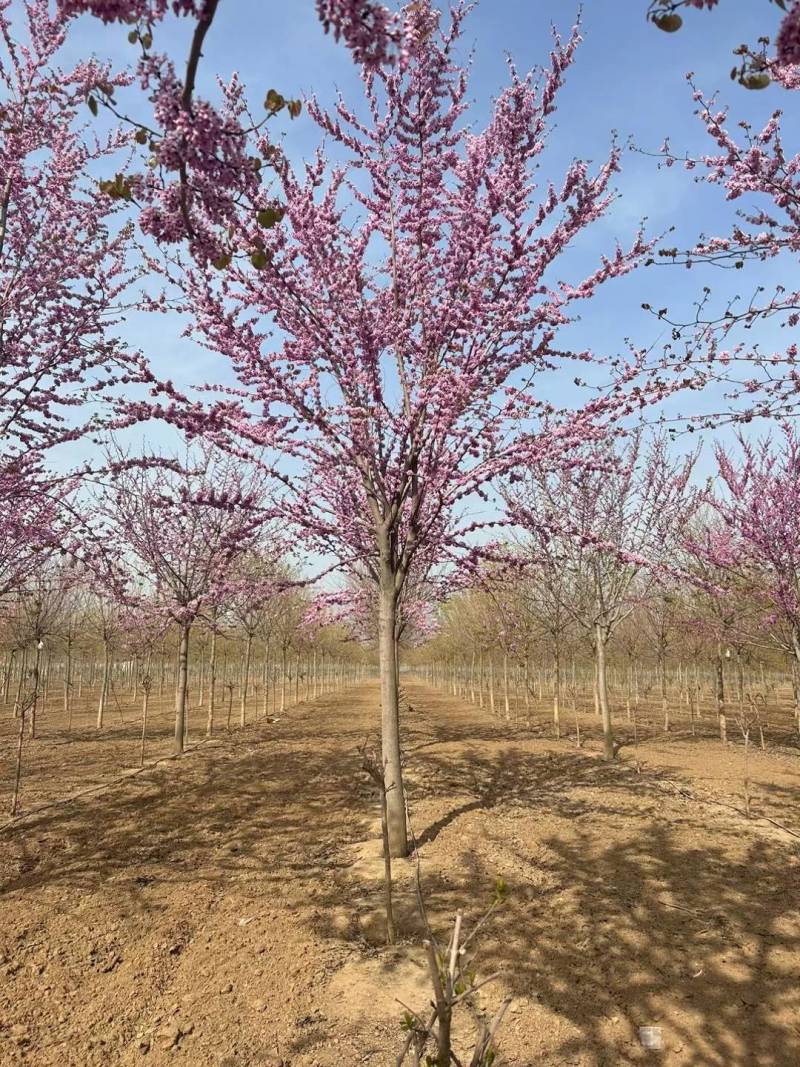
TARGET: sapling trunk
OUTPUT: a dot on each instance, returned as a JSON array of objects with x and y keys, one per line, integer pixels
[
  {"x": 18, "y": 764},
  {"x": 8, "y": 673},
  {"x": 480, "y": 680},
  {"x": 35, "y": 697},
  {"x": 390, "y": 717},
  {"x": 246, "y": 679},
  {"x": 506, "y": 705},
  {"x": 145, "y": 701},
  {"x": 283, "y": 679},
  {"x": 664, "y": 695},
  {"x": 212, "y": 683},
  {"x": 180, "y": 693},
  {"x": 372, "y": 765},
  {"x": 720, "y": 698},
  {"x": 602, "y": 692},
  {"x": 101, "y": 706}
]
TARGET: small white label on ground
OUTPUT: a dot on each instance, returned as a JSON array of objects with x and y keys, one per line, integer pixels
[{"x": 651, "y": 1037}]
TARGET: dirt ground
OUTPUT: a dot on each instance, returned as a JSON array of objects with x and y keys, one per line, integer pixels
[{"x": 224, "y": 909}]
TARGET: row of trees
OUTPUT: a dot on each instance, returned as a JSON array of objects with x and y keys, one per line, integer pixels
[
  {"x": 389, "y": 316},
  {"x": 631, "y": 555}
]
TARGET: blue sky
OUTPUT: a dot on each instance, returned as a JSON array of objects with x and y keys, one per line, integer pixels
[{"x": 629, "y": 77}]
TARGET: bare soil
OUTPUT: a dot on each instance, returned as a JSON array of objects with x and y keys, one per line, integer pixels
[{"x": 225, "y": 908}]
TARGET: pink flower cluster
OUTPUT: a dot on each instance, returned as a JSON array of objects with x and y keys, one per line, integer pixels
[{"x": 788, "y": 40}]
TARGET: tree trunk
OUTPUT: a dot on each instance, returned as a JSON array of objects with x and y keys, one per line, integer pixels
[
  {"x": 506, "y": 705},
  {"x": 35, "y": 697},
  {"x": 18, "y": 764},
  {"x": 720, "y": 696},
  {"x": 180, "y": 692},
  {"x": 390, "y": 718},
  {"x": 265, "y": 680},
  {"x": 245, "y": 679},
  {"x": 9, "y": 671},
  {"x": 68, "y": 679},
  {"x": 283, "y": 679},
  {"x": 21, "y": 683},
  {"x": 101, "y": 706},
  {"x": 602, "y": 693},
  {"x": 145, "y": 701},
  {"x": 212, "y": 683},
  {"x": 662, "y": 667}
]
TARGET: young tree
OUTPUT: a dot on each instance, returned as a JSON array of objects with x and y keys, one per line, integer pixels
[
  {"x": 616, "y": 521},
  {"x": 412, "y": 295},
  {"x": 176, "y": 531},
  {"x": 756, "y": 540}
]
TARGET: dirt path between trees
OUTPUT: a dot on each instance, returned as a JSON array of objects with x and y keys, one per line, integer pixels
[{"x": 225, "y": 909}]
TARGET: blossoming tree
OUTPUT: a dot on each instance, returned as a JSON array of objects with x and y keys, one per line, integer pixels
[
  {"x": 613, "y": 525},
  {"x": 391, "y": 318},
  {"x": 175, "y": 534}
]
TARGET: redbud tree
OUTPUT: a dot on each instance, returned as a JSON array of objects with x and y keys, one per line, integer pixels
[
  {"x": 168, "y": 537},
  {"x": 63, "y": 279},
  {"x": 614, "y": 526},
  {"x": 757, "y": 536},
  {"x": 392, "y": 319}
]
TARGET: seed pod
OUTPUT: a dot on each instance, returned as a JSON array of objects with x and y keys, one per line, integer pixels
[{"x": 669, "y": 23}]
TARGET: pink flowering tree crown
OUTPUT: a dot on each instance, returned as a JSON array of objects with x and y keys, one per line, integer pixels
[
  {"x": 167, "y": 537},
  {"x": 386, "y": 315},
  {"x": 610, "y": 529},
  {"x": 63, "y": 254},
  {"x": 755, "y": 539}
]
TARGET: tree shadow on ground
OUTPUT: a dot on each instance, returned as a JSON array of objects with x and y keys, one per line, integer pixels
[{"x": 626, "y": 907}]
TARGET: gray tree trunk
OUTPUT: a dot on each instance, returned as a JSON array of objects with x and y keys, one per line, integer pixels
[
  {"x": 602, "y": 693},
  {"x": 180, "y": 692},
  {"x": 390, "y": 717}
]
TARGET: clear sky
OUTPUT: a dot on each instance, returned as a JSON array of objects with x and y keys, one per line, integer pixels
[{"x": 629, "y": 77}]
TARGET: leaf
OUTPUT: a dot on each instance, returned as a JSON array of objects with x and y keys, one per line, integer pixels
[
  {"x": 295, "y": 107},
  {"x": 92, "y": 102},
  {"x": 269, "y": 217},
  {"x": 669, "y": 23},
  {"x": 274, "y": 102}
]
